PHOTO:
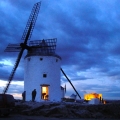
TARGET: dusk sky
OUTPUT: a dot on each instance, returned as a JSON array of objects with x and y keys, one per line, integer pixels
[{"x": 88, "y": 41}]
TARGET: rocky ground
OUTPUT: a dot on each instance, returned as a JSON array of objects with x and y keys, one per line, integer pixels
[{"x": 70, "y": 110}]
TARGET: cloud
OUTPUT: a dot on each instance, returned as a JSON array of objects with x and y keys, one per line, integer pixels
[{"x": 87, "y": 35}]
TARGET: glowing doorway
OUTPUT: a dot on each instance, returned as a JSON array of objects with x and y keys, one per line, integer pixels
[{"x": 44, "y": 92}]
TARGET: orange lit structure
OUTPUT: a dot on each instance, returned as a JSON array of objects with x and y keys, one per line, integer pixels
[{"x": 92, "y": 95}]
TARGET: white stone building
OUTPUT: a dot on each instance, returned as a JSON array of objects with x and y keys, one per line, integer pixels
[{"x": 42, "y": 71}]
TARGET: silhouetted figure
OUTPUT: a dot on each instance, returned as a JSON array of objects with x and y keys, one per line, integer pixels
[
  {"x": 46, "y": 97},
  {"x": 100, "y": 99},
  {"x": 43, "y": 95},
  {"x": 33, "y": 95},
  {"x": 24, "y": 95}
]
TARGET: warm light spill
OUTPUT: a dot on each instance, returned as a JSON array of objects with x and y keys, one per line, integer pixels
[
  {"x": 45, "y": 92},
  {"x": 104, "y": 102},
  {"x": 92, "y": 95}
]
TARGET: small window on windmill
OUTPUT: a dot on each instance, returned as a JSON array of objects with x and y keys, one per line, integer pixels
[
  {"x": 56, "y": 60},
  {"x": 28, "y": 59},
  {"x": 44, "y": 75},
  {"x": 41, "y": 59}
]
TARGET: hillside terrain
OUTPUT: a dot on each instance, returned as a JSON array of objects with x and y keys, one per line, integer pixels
[{"x": 69, "y": 109}]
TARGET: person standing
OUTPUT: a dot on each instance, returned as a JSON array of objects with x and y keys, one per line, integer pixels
[
  {"x": 100, "y": 99},
  {"x": 24, "y": 95},
  {"x": 33, "y": 95}
]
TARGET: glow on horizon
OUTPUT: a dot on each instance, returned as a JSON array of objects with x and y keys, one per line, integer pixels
[
  {"x": 82, "y": 86},
  {"x": 13, "y": 90},
  {"x": 6, "y": 62},
  {"x": 85, "y": 86},
  {"x": 3, "y": 83},
  {"x": 17, "y": 95}
]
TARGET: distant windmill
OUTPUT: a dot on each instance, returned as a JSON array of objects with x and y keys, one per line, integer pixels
[{"x": 42, "y": 64}]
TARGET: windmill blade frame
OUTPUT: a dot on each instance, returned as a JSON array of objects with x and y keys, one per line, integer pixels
[
  {"x": 26, "y": 36},
  {"x": 70, "y": 82},
  {"x": 31, "y": 22}
]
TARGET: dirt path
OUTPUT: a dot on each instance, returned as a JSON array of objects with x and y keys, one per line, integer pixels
[{"x": 24, "y": 117}]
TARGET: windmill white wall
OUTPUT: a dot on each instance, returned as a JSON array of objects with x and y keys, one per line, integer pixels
[{"x": 35, "y": 68}]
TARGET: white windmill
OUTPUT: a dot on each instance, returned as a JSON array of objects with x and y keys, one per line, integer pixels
[
  {"x": 42, "y": 71},
  {"x": 42, "y": 64}
]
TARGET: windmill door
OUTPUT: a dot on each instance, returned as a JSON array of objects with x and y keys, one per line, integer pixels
[{"x": 45, "y": 92}]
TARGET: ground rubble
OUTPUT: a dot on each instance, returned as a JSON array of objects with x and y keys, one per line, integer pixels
[{"x": 68, "y": 110}]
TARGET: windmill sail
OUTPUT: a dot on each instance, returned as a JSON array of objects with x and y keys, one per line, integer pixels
[
  {"x": 26, "y": 36},
  {"x": 13, "y": 48}
]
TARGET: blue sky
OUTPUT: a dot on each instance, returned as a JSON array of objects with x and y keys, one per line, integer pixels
[{"x": 88, "y": 40}]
